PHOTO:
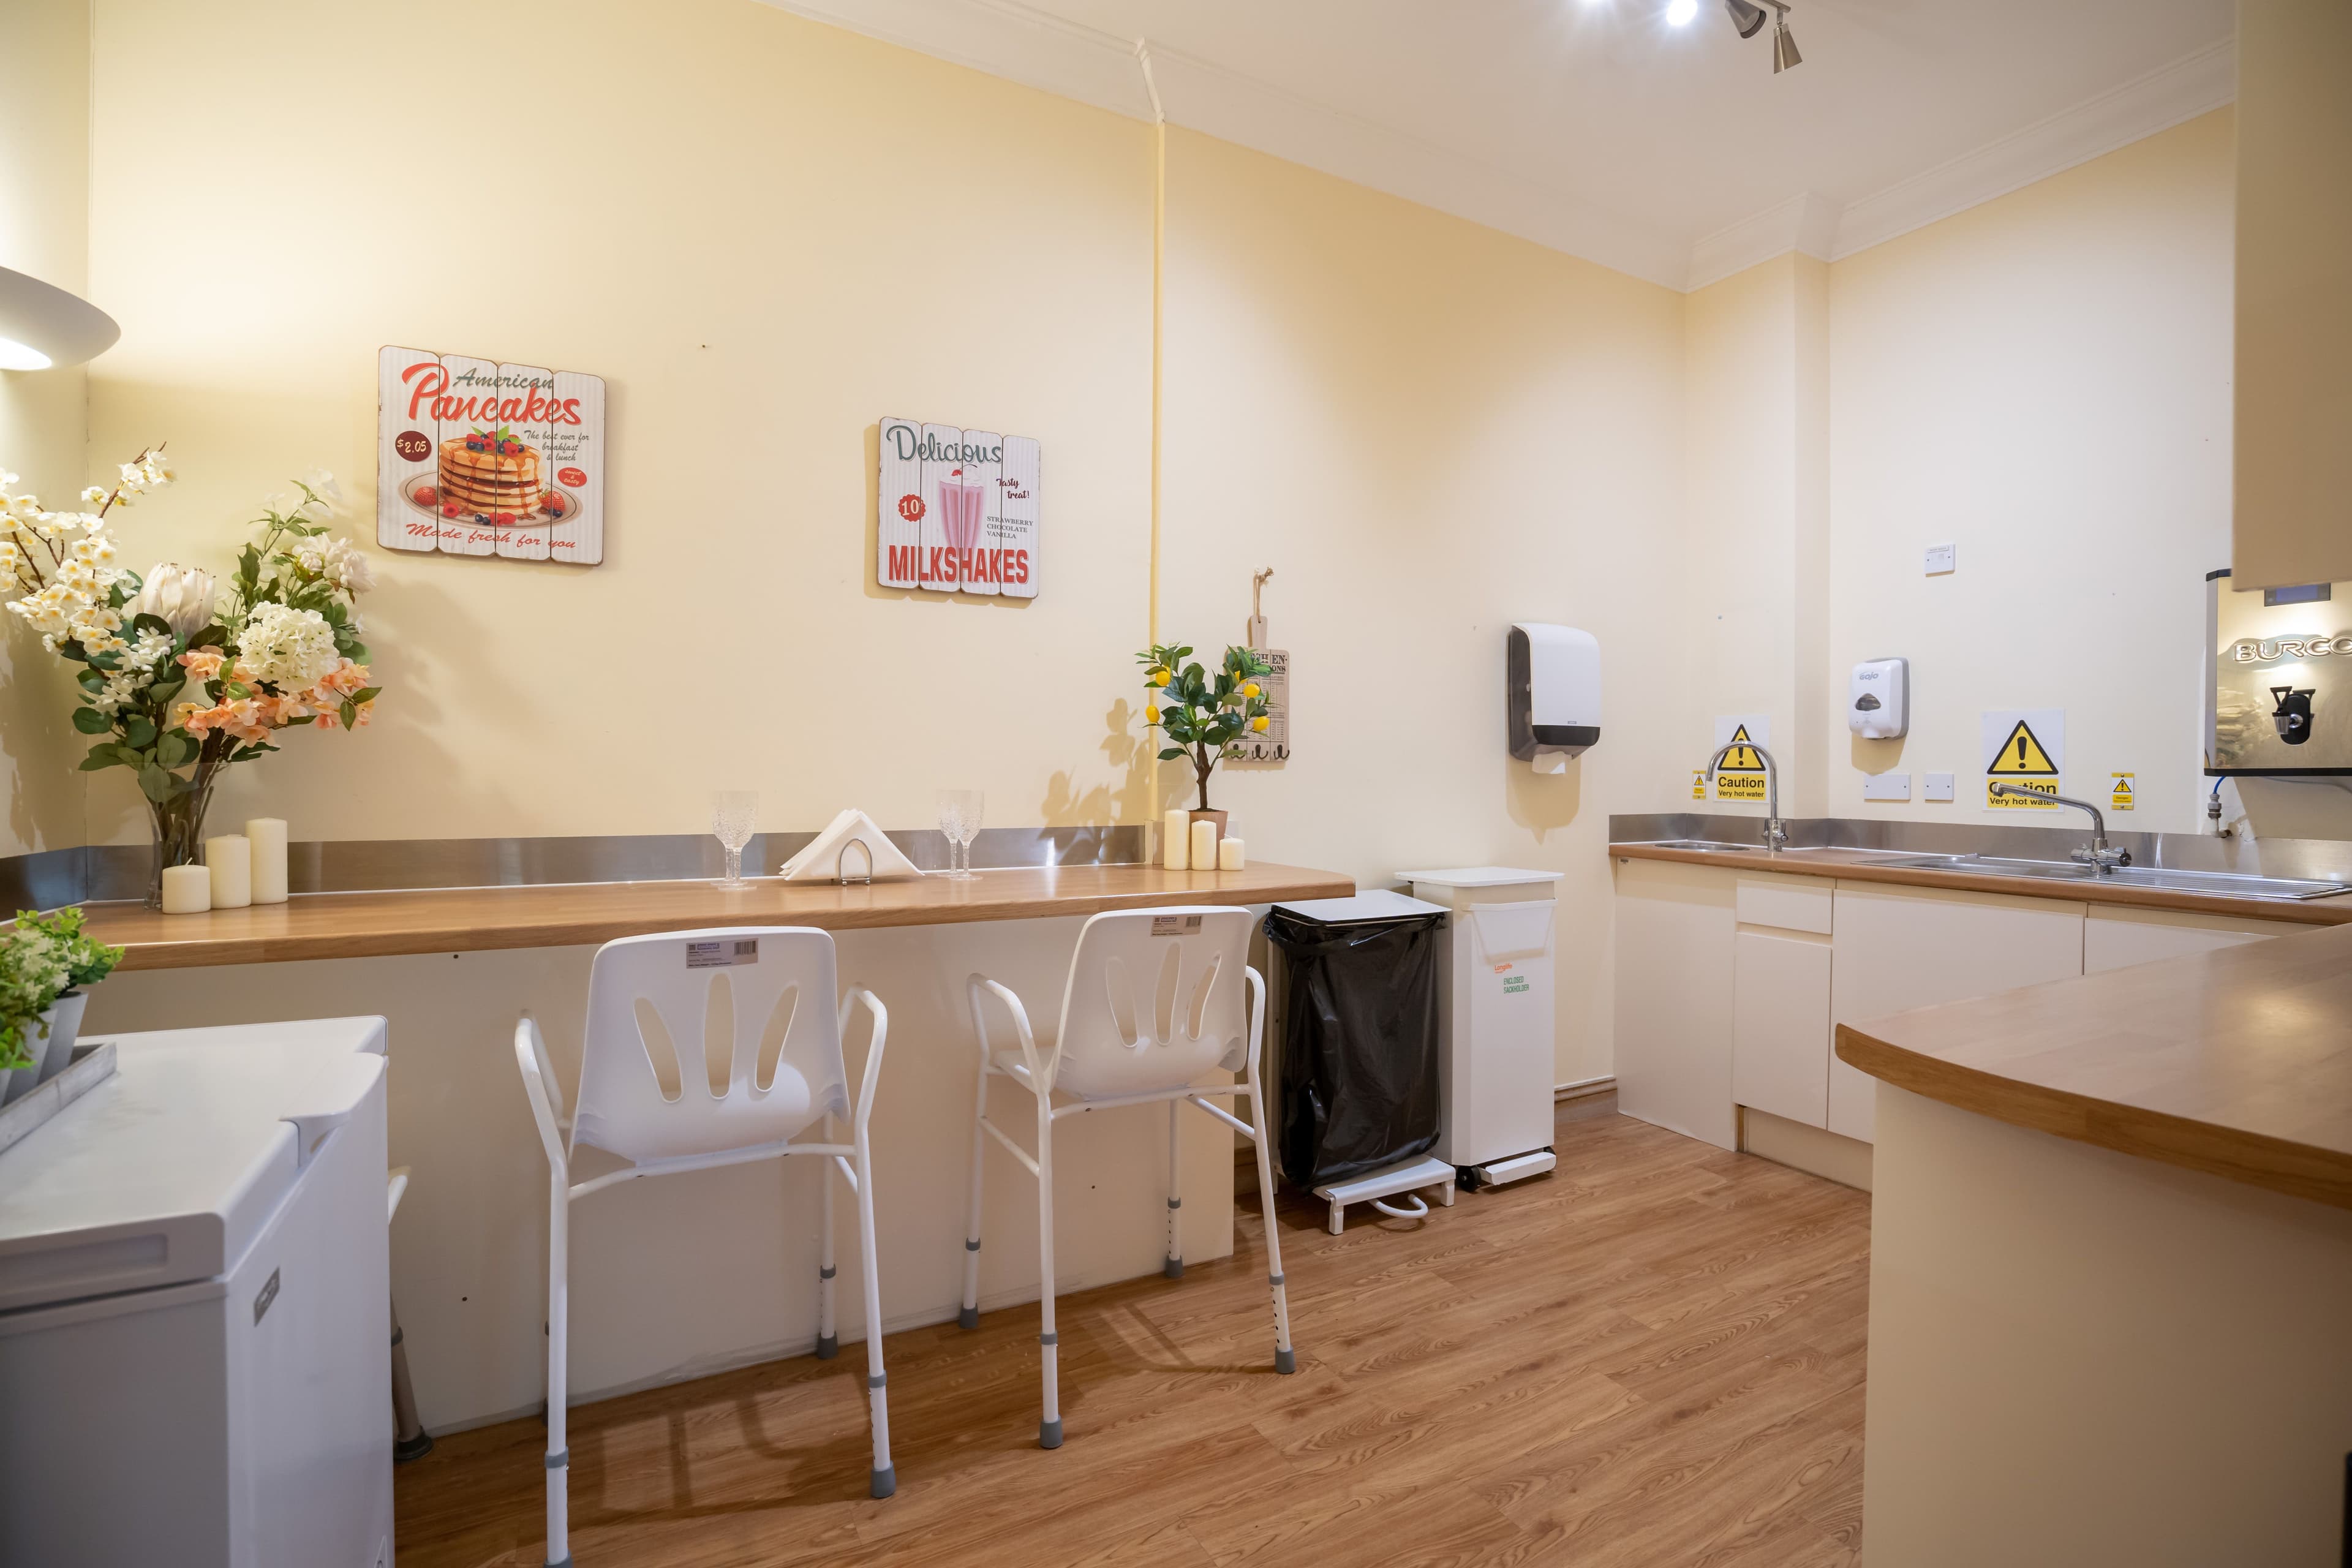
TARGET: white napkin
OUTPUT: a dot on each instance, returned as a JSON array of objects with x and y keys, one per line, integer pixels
[{"x": 821, "y": 861}]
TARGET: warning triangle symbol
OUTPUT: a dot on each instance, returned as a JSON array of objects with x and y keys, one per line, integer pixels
[
  {"x": 1742, "y": 757},
  {"x": 2123, "y": 787},
  {"x": 2023, "y": 755}
]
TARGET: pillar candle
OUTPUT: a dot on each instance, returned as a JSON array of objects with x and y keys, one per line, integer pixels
[
  {"x": 1175, "y": 839},
  {"x": 230, "y": 857},
  {"x": 187, "y": 890},
  {"x": 1229, "y": 855},
  {"x": 1204, "y": 845},
  {"x": 267, "y": 834}
]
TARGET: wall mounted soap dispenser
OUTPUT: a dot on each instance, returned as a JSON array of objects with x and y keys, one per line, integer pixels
[
  {"x": 1551, "y": 683},
  {"x": 1878, "y": 701}
]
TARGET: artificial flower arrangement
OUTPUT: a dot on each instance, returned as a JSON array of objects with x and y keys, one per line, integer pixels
[
  {"x": 177, "y": 682},
  {"x": 42, "y": 959},
  {"x": 1202, "y": 714}
]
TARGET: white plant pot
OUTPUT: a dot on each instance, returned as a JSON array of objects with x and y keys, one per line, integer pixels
[
  {"x": 49, "y": 1055},
  {"x": 65, "y": 1026}
]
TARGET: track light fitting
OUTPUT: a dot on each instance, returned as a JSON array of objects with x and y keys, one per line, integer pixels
[{"x": 1748, "y": 20}]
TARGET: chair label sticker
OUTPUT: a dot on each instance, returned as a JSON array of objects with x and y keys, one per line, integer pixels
[
  {"x": 1175, "y": 925},
  {"x": 720, "y": 954},
  {"x": 2024, "y": 747}
]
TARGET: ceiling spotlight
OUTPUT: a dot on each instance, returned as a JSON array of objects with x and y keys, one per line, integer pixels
[
  {"x": 1748, "y": 19},
  {"x": 1680, "y": 12},
  {"x": 1784, "y": 44}
]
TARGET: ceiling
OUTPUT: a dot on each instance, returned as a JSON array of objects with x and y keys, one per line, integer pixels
[{"x": 1596, "y": 128}]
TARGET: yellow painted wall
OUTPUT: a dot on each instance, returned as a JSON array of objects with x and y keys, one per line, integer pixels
[
  {"x": 2044, "y": 380},
  {"x": 1429, "y": 430},
  {"x": 44, "y": 232},
  {"x": 764, "y": 233}
]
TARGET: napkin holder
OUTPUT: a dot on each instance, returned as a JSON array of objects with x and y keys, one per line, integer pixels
[{"x": 851, "y": 850}]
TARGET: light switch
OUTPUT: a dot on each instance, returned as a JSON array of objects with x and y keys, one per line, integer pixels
[
  {"x": 1939, "y": 787},
  {"x": 1942, "y": 558},
  {"x": 1886, "y": 787}
]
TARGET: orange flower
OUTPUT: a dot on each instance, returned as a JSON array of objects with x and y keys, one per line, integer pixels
[
  {"x": 201, "y": 663},
  {"x": 345, "y": 680}
]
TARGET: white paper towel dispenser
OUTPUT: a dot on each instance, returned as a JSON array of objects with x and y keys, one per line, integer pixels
[{"x": 1552, "y": 685}]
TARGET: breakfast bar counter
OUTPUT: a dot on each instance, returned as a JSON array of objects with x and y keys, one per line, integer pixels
[
  {"x": 481, "y": 920},
  {"x": 718, "y": 1269},
  {"x": 2110, "y": 1261}
]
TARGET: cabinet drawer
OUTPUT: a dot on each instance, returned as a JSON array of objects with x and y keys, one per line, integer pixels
[{"x": 1788, "y": 903}]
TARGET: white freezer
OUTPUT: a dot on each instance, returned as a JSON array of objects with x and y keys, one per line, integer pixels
[{"x": 193, "y": 1309}]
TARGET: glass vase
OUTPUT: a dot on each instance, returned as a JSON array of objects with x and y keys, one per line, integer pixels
[{"x": 179, "y": 825}]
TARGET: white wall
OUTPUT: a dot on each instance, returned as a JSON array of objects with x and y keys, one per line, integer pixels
[
  {"x": 1429, "y": 430},
  {"x": 2045, "y": 381},
  {"x": 44, "y": 232}
]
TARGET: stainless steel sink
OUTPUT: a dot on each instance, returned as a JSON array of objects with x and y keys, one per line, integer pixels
[
  {"x": 2229, "y": 884},
  {"x": 1795, "y": 852},
  {"x": 2221, "y": 883}
]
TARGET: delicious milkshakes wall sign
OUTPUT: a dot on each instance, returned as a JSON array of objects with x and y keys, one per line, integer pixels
[
  {"x": 480, "y": 458},
  {"x": 957, "y": 510}
]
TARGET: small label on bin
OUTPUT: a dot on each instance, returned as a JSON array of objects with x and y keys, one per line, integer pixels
[
  {"x": 718, "y": 954},
  {"x": 1175, "y": 925},
  {"x": 1513, "y": 984}
]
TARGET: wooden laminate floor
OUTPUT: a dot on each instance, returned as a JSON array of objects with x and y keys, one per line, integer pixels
[{"x": 1653, "y": 1357}]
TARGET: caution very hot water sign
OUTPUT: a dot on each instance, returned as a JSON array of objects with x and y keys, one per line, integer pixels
[
  {"x": 2024, "y": 748},
  {"x": 1740, "y": 774}
]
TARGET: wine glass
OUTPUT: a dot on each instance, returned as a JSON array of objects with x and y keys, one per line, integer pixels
[
  {"x": 960, "y": 814},
  {"x": 732, "y": 813}
]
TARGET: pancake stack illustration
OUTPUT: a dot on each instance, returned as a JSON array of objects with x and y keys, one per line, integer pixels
[{"x": 490, "y": 472}]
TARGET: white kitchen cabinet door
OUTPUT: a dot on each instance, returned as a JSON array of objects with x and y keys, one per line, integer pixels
[
  {"x": 1674, "y": 926},
  {"x": 1899, "y": 948},
  {"x": 2115, "y": 937},
  {"x": 1781, "y": 1024}
]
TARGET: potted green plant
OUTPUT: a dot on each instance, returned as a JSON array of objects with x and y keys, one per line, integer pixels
[
  {"x": 47, "y": 965},
  {"x": 1202, "y": 714}
]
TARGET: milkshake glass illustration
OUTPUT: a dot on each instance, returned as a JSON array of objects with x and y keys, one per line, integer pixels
[{"x": 960, "y": 513}]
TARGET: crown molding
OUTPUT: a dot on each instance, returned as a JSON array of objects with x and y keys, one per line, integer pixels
[
  {"x": 1018, "y": 43},
  {"x": 1806, "y": 223},
  {"x": 2193, "y": 84}
]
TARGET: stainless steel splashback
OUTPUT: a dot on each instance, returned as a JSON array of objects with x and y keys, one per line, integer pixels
[{"x": 106, "y": 871}]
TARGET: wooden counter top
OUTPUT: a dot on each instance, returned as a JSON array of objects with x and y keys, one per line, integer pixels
[
  {"x": 2236, "y": 1062},
  {"x": 1849, "y": 867},
  {"x": 462, "y": 920}
]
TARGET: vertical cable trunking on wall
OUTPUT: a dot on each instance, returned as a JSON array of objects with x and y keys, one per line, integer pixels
[{"x": 1159, "y": 268}]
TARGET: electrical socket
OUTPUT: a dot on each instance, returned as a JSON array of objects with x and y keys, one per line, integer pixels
[{"x": 1942, "y": 558}]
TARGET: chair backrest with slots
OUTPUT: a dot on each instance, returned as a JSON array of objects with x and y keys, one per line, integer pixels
[
  {"x": 1156, "y": 998},
  {"x": 702, "y": 1041}
]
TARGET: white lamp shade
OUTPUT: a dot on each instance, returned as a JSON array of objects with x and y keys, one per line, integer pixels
[{"x": 42, "y": 325}]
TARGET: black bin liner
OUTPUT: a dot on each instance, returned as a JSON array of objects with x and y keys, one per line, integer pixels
[{"x": 1359, "y": 1043}]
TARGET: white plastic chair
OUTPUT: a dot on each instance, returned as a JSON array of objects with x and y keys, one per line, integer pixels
[
  {"x": 1155, "y": 999},
  {"x": 647, "y": 1000}
]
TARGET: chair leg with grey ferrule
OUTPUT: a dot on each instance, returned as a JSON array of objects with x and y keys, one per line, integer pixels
[{"x": 410, "y": 1440}]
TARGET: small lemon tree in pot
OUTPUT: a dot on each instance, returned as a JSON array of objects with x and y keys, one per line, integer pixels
[{"x": 1200, "y": 713}]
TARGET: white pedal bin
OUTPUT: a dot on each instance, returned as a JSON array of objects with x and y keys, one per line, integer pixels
[{"x": 1496, "y": 1017}]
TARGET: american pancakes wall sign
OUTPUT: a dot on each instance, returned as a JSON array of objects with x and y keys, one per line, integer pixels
[
  {"x": 957, "y": 510},
  {"x": 473, "y": 457}
]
